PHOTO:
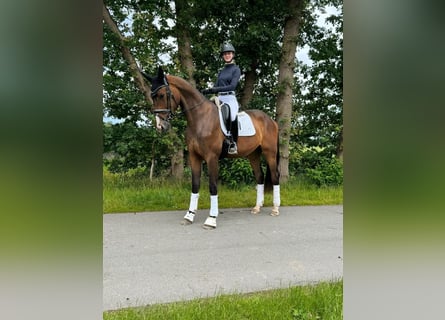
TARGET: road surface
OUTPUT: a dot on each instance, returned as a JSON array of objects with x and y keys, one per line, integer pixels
[{"x": 150, "y": 257}]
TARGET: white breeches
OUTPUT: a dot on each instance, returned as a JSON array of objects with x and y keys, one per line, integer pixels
[{"x": 230, "y": 99}]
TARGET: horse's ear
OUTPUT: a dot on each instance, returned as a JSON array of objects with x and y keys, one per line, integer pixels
[
  {"x": 160, "y": 73},
  {"x": 161, "y": 77},
  {"x": 147, "y": 76}
]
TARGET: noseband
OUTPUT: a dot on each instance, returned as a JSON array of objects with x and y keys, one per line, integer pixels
[
  {"x": 169, "y": 99},
  {"x": 170, "y": 96}
]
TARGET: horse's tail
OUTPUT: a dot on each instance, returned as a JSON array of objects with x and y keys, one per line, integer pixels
[{"x": 268, "y": 185}]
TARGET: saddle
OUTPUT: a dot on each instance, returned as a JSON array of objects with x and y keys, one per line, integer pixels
[{"x": 245, "y": 125}]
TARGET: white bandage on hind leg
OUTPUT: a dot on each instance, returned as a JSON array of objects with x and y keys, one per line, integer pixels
[
  {"x": 259, "y": 195},
  {"x": 194, "y": 202},
  {"x": 214, "y": 206},
  {"x": 276, "y": 196}
]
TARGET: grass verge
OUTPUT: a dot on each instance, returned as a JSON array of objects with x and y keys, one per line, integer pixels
[
  {"x": 310, "y": 302},
  {"x": 134, "y": 192}
]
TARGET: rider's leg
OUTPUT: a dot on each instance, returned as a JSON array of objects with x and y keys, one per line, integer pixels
[{"x": 234, "y": 132}]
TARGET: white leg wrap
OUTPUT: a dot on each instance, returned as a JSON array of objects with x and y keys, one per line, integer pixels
[
  {"x": 276, "y": 196},
  {"x": 259, "y": 195},
  {"x": 214, "y": 210},
  {"x": 276, "y": 201},
  {"x": 259, "y": 199},
  {"x": 190, "y": 215},
  {"x": 194, "y": 202}
]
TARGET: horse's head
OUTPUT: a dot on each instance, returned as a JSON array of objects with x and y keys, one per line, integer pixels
[{"x": 164, "y": 101}]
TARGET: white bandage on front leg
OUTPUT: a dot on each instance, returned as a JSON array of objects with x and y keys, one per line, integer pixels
[
  {"x": 194, "y": 202},
  {"x": 214, "y": 210},
  {"x": 190, "y": 215},
  {"x": 259, "y": 198},
  {"x": 276, "y": 200}
]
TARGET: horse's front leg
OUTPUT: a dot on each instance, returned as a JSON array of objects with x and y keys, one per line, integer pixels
[
  {"x": 196, "y": 165},
  {"x": 212, "y": 165}
]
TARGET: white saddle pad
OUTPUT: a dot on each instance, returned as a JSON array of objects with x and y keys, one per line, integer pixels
[{"x": 245, "y": 124}]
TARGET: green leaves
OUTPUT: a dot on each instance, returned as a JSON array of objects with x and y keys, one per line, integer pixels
[{"x": 256, "y": 30}]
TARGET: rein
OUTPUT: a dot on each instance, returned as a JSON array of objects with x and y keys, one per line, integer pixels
[
  {"x": 193, "y": 107},
  {"x": 169, "y": 97}
]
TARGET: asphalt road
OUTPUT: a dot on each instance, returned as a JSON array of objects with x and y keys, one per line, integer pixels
[{"x": 151, "y": 258}]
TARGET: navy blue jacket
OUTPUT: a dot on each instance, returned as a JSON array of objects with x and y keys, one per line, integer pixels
[{"x": 228, "y": 78}]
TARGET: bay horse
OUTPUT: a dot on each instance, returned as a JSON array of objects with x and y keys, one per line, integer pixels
[{"x": 205, "y": 140}]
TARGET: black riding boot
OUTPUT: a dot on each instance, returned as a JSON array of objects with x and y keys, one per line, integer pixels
[{"x": 234, "y": 137}]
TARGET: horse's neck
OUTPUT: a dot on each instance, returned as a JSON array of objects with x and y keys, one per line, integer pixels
[{"x": 192, "y": 101}]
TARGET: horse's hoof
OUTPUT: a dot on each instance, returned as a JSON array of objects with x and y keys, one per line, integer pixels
[
  {"x": 275, "y": 212},
  {"x": 186, "y": 222},
  {"x": 188, "y": 218},
  {"x": 210, "y": 223},
  {"x": 255, "y": 210}
]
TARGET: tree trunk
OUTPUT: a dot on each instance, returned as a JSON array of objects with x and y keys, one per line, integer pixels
[
  {"x": 126, "y": 53},
  {"x": 176, "y": 150},
  {"x": 177, "y": 162},
  {"x": 187, "y": 67},
  {"x": 286, "y": 81},
  {"x": 153, "y": 157},
  {"x": 339, "y": 151},
  {"x": 249, "y": 84},
  {"x": 184, "y": 41}
]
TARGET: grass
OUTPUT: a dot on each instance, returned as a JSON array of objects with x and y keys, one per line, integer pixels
[
  {"x": 323, "y": 301},
  {"x": 134, "y": 192}
]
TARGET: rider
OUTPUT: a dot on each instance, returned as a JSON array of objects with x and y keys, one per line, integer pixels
[{"x": 225, "y": 86}]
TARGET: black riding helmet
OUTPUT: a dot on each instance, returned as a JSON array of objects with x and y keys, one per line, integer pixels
[{"x": 227, "y": 46}]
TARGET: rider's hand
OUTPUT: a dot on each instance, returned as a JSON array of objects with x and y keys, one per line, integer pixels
[{"x": 207, "y": 91}]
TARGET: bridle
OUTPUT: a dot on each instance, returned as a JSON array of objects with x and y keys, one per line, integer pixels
[{"x": 170, "y": 96}]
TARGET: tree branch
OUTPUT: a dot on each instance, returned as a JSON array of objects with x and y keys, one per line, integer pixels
[{"x": 134, "y": 68}]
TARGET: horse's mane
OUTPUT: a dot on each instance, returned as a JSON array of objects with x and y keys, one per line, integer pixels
[{"x": 182, "y": 84}]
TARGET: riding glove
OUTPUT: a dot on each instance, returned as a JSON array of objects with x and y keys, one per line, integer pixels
[{"x": 208, "y": 91}]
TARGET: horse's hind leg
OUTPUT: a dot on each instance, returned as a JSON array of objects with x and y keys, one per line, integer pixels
[
  {"x": 272, "y": 175},
  {"x": 255, "y": 163}
]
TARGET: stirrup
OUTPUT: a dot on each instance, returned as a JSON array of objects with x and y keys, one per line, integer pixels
[{"x": 232, "y": 148}]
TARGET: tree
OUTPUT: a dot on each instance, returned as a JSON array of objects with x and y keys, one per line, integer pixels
[
  {"x": 125, "y": 44},
  {"x": 184, "y": 40},
  {"x": 285, "y": 82},
  {"x": 320, "y": 97},
  {"x": 126, "y": 53},
  {"x": 306, "y": 100}
]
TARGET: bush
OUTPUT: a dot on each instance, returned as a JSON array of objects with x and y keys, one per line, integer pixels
[
  {"x": 235, "y": 172},
  {"x": 128, "y": 146},
  {"x": 317, "y": 166}
]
